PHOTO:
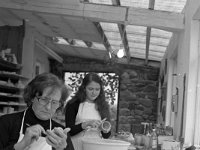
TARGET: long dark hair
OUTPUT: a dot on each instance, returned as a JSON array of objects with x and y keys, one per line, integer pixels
[{"x": 101, "y": 104}]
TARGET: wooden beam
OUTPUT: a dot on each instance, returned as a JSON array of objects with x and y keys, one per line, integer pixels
[
  {"x": 148, "y": 33},
  {"x": 49, "y": 51},
  {"x": 173, "y": 22},
  {"x": 105, "y": 13},
  {"x": 116, "y": 2},
  {"x": 123, "y": 35},
  {"x": 196, "y": 16},
  {"x": 122, "y": 32},
  {"x": 104, "y": 38},
  {"x": 143, "y": 34},
  {"x": 148, "y": 36}
]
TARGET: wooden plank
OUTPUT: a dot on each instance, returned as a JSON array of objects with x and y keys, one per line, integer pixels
[
  {"x": 49, "y": 51},
  {"x": 197, "y": 14},
  {"x": 104, "y": 13},
  {"x": 125, "y": 41},
  {"x": 104, "y": 38},
  {"x": 148, "y": 32},
  {"x": 157, "y": 19},
  {"x": 50, "y": 8},
  {"x": 148, "y": 36}
]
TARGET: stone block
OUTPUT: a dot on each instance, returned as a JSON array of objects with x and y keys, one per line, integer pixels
[
  {"x": 124, "y": 112},
  {"x": 146, "y": 103},
  {"x": 124, "y": 127}
]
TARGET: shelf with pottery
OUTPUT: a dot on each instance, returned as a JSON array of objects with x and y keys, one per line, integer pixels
[
  {"x": 9, "y": 66},
  {"x": 11, "y": 75},
  {"x": 13, "y": 104},
  {"x": 11, "y": 87},
  {"x": 9, "y": 95},
  {"x": 2, "y": 114}
]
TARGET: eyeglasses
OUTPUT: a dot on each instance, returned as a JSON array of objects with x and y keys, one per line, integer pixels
[{"x": 46, "y": 100}]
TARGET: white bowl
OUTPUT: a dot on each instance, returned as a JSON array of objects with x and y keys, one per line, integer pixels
[{"x": 104, "y": 144}]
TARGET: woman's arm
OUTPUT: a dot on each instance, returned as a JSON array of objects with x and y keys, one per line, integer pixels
[{"x": 70, "y": 117}]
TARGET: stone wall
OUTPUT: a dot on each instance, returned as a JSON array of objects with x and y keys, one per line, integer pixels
[
  {"x": 137, "y": 94},
  {"x": 138, "y": 98}
]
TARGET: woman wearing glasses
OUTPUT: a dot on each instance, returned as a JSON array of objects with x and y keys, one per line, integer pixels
[
  {"x": 87, "y": 110},
  {"x": 34, "y": 128}
]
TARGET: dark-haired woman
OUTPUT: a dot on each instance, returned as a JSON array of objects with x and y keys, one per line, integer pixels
[{"x": 85, "y": 112}]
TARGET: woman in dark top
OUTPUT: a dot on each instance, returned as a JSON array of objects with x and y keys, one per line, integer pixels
[
  {"x": 85, "y": 112},
  {"x": 33, "y": 128}
]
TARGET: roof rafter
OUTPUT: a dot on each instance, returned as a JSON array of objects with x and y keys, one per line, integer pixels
[
  {"x": 116, "y": 2},
  {"x": 124, "y": 40},
  {"x": 103, "y": 36},
  {"x": 148, "y": 33},
  {"x": 123, "y": 35},
  {"x": 105, "y": 13}
]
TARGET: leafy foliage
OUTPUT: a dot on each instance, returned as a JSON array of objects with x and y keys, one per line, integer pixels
[{"x": 110, "y": 80}]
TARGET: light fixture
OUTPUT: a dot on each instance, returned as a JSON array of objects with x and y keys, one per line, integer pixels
[{"x": 120, "y": 52}]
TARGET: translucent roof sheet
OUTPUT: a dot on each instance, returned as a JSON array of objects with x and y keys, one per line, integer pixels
[
  {"x": 98, "y": 46},
  {"x": 60, "y": 40},
  {"x": 163, "y": 5},
  {"x": 170, "y": 5},
  {"x": 135, "y": 3},
  {"x": 137, "y": 35},
  {"x": 79, "y": 43}
]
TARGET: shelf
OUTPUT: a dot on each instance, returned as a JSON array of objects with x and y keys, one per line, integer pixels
[
  {"x": 8, "y": 95},
  {"x": 13, "y": 104},
  {"x": 1, "y": 114},
  {"x": 8, "y": 75},
  {"x": 4, "y": 86},
  {"x": 11, "y": 86},
  {"x": 8, "y": 66}
]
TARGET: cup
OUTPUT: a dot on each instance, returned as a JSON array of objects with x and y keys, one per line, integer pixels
[{"x": 106, "y": 126}]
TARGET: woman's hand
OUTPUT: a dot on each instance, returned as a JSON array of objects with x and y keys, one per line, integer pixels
[
  {"x": 57, "y": 138},
  {"x": 32, "y": 134},
  {"x": 91, "y": 124}
]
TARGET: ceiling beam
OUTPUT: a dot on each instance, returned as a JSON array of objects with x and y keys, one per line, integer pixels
[
  {"x": 142, "y": 34},
  {"x": 148, "y": 36},
  {"x": 196, "y": 16},
  {"x": 148, "y": 33},
  {"x": 49, "y": 51},
  {"x": 116, "y": 2},
  {"x": 123, "y": 35},
  {"x": 157, "y": 19},
  {"x": 122, "y": 32},
  {"x": 168, "y": 21},
  {"x": 104, "y": 38}
]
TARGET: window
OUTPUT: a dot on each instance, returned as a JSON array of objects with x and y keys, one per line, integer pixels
[{"x": 111, "y": 84}]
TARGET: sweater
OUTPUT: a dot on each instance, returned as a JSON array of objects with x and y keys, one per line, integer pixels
[
  {"x": 10, "y": 125},
  {"x": 70, "y": 119}
]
